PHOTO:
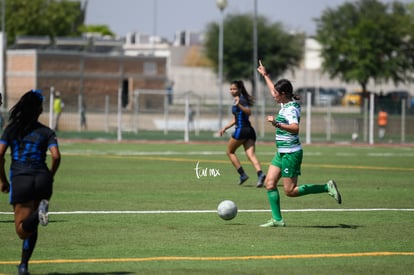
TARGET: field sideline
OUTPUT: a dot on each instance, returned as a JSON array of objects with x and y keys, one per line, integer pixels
[
  {"x": 141, "y": 208},
  {"x": 234, "y": 258},
  {"x": 214, "y": 211}
]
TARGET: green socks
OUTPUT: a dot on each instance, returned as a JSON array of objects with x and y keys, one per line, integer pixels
[
  {"x": 274, "y": 200},
  {"x": 274, "y": 197},
  {"x": 306, "y": 189}
]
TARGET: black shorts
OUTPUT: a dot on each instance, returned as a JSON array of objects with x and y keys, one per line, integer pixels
[
  {"x": 24, "y": 188},
  {"x": 244, "y": 133}
]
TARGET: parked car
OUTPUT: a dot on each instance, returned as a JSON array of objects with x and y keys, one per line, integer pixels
[
  {"x": 321, "y": 96},
  {"x": 328, "y": 96},
  {"x": 352, "y": 99},
  {"x": 340, "y": 90}
]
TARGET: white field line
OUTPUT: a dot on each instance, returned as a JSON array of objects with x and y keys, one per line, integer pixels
[
  {"x": 212, "y": 153},
  {"x": 214, "y": 211}
]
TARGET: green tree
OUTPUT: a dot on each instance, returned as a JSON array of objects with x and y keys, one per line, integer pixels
[
  {"x": 367, "y": 40},
  {"x": 101, "y": 29},
  {"x": 279, "y": 50},
  {"x": 43, "y": 17}
]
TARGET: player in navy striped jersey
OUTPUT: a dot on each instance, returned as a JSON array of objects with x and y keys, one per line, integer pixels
[
  {"x": 287, "y": 161},
  {"x": 31, "y": 181},
  {"x": 243, "y": 134}
]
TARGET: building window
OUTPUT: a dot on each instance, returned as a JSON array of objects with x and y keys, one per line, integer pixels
[{"x": 150, "y": 68}]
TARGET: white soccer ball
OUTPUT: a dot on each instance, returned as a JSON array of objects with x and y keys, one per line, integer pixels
[{"x": 227, "y": 210}]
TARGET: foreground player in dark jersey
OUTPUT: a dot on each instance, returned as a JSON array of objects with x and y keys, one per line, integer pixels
[
  {"x": 244, "y": 133},
  {"x": 31, "y": 181}
]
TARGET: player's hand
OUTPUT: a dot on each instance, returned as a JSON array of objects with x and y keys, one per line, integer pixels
[
  {"x": 221, "y": 132},
  {"x": 272, "y": 120},
  {"x": 261, "y": 69},
  {"x": 5, "y": 188},
  {"x": 236, "y": 101}
]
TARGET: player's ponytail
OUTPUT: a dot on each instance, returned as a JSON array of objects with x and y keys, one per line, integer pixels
[{"x": 296, "y": 97}]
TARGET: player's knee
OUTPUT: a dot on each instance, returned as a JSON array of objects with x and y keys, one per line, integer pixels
[
  {"x": 22, "y": 234},
  {"x": 230, "y": 153},
  {"x": 269, "y": 184},
  {"x": 290, "y": 192}
]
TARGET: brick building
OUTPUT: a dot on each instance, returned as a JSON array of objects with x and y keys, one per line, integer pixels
[{"x": 91, "y": 75}]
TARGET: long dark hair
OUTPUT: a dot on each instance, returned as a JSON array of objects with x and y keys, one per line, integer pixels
[
  {"x": 25, "y": 113},
  {"x": 284, "y": 86},
  {"x": 242, "y": 90}
]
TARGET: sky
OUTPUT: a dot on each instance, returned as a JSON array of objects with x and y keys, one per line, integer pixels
[{"x": 165, "y": 17}]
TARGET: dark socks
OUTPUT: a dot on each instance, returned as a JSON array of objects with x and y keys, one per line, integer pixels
[
  {"x": 31, "y": 223},
  {"x": 28, "y": 247},
  {"x": 259, "y": 173},
  {"x": 240, "y": 171}
]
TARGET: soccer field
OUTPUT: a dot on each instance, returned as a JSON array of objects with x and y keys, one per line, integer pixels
[{"x": 150, "y": 208}]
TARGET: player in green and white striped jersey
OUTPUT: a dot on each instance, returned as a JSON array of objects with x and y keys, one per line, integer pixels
[{"x": 287, "y": 161}]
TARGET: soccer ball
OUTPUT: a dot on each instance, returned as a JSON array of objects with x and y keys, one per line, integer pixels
[{"x": 227, "y": 210}]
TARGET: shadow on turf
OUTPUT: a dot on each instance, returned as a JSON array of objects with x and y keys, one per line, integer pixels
[
  {"x": 91, "y": 273},
  {"x": 343, "y": 226}
]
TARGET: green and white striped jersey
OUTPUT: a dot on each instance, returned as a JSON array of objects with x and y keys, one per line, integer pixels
[{"x": 287, "y": 142}]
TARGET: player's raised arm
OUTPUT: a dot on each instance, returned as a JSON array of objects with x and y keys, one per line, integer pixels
[{"x": 262, "y": 70}]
